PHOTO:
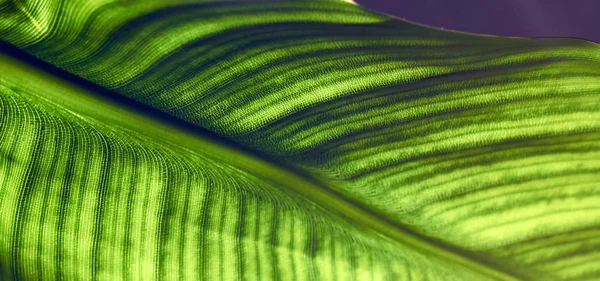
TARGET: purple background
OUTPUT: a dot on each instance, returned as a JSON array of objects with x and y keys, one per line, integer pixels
[{"x": 525, "y": 18}]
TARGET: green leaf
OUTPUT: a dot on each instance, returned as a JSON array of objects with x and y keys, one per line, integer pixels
[{"x": 252, "y": 140}]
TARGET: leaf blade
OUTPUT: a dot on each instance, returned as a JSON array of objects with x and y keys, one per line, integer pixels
[{"x": 558, "y": 86}]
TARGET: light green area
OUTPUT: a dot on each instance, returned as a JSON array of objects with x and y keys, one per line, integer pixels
[{"x": 469, "y": 154}]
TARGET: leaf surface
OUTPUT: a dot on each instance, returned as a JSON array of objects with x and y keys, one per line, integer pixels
[{"x": 292, "y": 140}]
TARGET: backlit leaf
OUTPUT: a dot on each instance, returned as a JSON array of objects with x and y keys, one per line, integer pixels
[{"x": 290, "y": 140}]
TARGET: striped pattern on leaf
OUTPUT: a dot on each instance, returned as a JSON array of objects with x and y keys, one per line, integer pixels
[{"x": 487, "y": 146}]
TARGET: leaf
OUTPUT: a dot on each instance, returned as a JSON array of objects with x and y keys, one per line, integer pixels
[{"x": 291, "y": 140}]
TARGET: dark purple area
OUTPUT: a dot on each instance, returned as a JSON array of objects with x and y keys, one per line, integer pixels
[{"x": 524, "y": 18}]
